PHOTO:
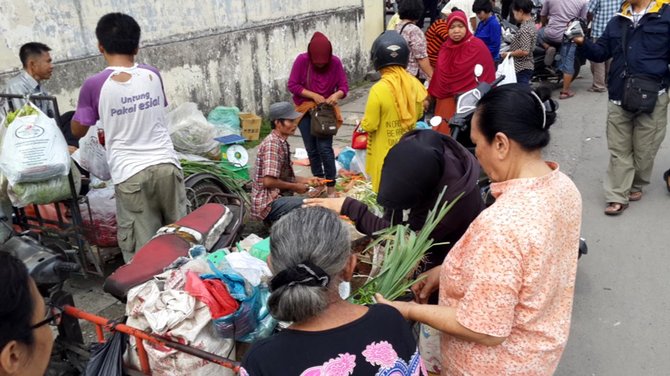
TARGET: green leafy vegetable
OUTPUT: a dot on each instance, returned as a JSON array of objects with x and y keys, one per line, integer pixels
[{"x": 403, "y": 251}]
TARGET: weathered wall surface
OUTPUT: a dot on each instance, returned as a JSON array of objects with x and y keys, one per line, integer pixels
[{"x": 212, "y": 52}]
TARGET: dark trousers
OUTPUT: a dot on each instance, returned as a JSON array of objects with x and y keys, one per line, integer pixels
[
  {"x": 506, "y": 10},
  {"x": 282, "y": 206},
  {"x": 524, "y": 76},
  {"x": 319, "y": 151},
  {"x": 430, "y": 7}
]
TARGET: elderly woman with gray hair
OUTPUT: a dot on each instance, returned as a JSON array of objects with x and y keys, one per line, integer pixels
[{"x": 310, "y": 256}]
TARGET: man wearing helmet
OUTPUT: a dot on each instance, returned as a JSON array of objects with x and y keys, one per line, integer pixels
[{"x": 395, "y": 103}]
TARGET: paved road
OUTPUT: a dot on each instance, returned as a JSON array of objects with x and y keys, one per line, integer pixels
[{"x": 620, "y": 323}]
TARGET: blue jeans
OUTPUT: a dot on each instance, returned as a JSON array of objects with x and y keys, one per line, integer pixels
[
  {"x": 282, "y": 206},
  {"x": 567, "y": 63},
  {"x": 524, "y": 76},
  {"x": 319, "y": 151}
]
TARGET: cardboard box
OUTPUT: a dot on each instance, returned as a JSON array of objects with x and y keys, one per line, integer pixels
[{"x": 251, "y": 126}]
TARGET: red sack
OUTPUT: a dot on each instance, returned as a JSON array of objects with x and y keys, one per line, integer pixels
[{"x": 359, "y": 139}]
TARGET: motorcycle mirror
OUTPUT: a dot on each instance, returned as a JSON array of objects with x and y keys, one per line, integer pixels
[
  {"x": 479, "y": 69},
  {"x": 435, "y": 121}
]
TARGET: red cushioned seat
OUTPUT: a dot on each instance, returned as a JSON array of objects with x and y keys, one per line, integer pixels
[{"x": 205, "y": 225}]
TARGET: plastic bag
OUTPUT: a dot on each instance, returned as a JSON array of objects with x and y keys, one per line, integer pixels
[
  {"x": 33, "y": 149},
  {"x": 190, "y": 132},
  {"x": 507, "y": 68},
  {"x": 358, "y": 163},
  {"x": 266, "y": 323},
  {"x": 211, "y": 292},
  {"x": 345, "y": 157},
  {"x": 225, "y": 116},
  {"x": 251, "y": 268},
  {"x": 107, "y": 358},
  {"x": 44, "y": 192},
  {"x": 245, "y": 319},
  {"x": 92, "y": 155},
  {"x": 100, "y": 224}
]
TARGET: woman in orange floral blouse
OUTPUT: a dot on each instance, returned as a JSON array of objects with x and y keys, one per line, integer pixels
[{"x": 507, "y": 287}]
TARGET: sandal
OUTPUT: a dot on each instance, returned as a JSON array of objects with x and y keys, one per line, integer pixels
[
  {"x": 666, "y": 178},
  {"x": 635, "y": 196},
  {"x": 615, "y": 208},
  {"x": 566, "y": 95}
]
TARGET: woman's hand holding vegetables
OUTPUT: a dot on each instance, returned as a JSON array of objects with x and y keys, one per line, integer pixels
[
  {"x": 425, "y": 287},
  {"x": 334, "y": 204}
]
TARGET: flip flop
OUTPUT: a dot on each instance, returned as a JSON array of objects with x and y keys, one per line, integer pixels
[
  {"x": 666, "y": 175},
  {"x": 612, "y": 209},
  {"x": 635, "y": 196},
  {"x": 566, "y": 95}
]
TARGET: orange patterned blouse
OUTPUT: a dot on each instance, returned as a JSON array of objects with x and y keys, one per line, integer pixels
[{"x": 512, "y": 275}]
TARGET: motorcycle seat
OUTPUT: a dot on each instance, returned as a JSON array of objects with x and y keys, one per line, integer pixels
[{"x": 204, "y": 226}]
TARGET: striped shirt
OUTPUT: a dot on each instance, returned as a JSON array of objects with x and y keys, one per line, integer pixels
[
  {"x": 436, "y": 34},
  {"x": 603, "y": 11}
]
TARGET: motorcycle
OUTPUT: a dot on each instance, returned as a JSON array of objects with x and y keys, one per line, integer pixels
[{"x": 215, "y": 221}]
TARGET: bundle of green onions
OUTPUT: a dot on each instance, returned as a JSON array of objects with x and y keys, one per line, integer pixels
[
  {"x": 232, "y": 181},
  {"x": 404, "y": 250}
]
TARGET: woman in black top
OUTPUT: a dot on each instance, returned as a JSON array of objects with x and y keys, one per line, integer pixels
[
  {"x": 415, "y": 172},
  {"x": 310, "y": 255}
]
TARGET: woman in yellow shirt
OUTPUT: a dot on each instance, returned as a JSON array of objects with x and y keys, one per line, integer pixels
[{"x": 395, "y": 102}]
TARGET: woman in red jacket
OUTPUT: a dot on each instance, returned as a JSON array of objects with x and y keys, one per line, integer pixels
[{"x": 454, "y": 71}]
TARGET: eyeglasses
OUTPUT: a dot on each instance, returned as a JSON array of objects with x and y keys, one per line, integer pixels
[{"x": 52, "y": 317}]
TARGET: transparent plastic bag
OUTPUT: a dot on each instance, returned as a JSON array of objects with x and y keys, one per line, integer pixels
[
  {"x": 33, "y": 149},
  {"x": 100, "y": 224},
  {"x": 190, "y": 132},
  {"x": 44, "y": 192},
  {"x": 93, "y": 156},
  {"x": 225, "y": 116}
]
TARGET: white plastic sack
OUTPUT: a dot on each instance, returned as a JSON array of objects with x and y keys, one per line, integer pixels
[
  {"x": 249, "y": 267},
  {"x": 160, "y": 304},
  {"x": 357, "y": 164},
  {"x": 33, "y": 149},
  {"x": 507, "y": 68},
  {"x": 93, "y": 156},
  {"x": 190, "y": 132}
]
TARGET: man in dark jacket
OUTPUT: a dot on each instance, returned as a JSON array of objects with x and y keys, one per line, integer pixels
[{"x": 633, "y": 138}]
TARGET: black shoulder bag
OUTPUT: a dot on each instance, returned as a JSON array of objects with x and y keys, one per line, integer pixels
[
  {"x": 323, "y": 121},
  {"x": 640, "y": 91}
]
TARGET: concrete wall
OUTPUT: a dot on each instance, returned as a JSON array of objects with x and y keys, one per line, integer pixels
[{"x": 212, "y": 52}]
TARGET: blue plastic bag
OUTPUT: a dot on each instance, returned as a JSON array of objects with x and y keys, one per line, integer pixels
[
  {"x": 266, "y": 323},
  {"x": 345, "y": 157},
  {"x": 245, "y": 319},
  {"x": 225, "y": 116}
]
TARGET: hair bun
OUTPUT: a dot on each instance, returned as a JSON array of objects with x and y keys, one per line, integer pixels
[{"x": 550, "y": 105}]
